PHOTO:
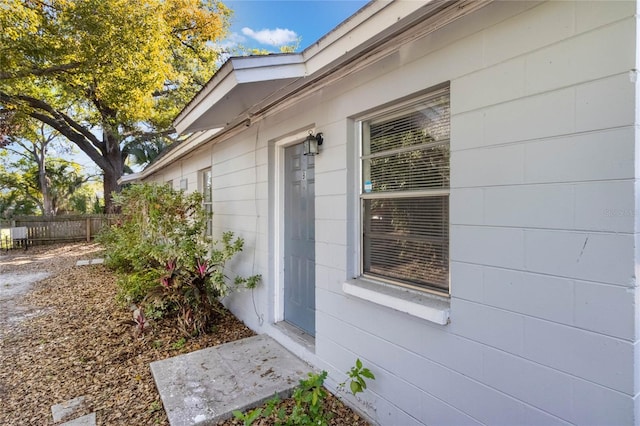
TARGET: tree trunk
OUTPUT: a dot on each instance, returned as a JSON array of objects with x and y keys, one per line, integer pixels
[
  {"x": 113, "y": 172},
  {"x": 111, "y": 185},
  {"x": 47, "y": 204}
]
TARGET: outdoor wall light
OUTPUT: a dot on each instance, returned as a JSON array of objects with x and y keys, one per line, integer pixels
[{"x": 311, "y": 143}]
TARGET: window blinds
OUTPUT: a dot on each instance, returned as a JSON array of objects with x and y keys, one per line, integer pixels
[{"x": 405, "y": 201}]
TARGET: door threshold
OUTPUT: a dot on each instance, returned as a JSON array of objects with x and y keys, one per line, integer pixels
[{"x": 298, "y": 335}]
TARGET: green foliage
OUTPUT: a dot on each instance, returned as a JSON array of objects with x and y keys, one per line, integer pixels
[
  {"x": 108, "y": 75},
  {"x": 23, "y": 191},
  {"x": 85, "y": 199},
  {"x": 155, "y": 406},
  {"x": 357, "y": 376},
  {"x": 164, "y": 258},
  {"x": 249, "y": 417},
  {"x": 16, "y": 198},
  {"x": 179, "y": 344},
  {"x": 309, "y": 399},
  {"x": 135, "y": 285}
]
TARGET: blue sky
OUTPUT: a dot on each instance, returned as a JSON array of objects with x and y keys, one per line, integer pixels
[{"x": 267, "y": 24}]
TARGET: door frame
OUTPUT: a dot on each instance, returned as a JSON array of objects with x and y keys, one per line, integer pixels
[{"x": 279, "y": 194}]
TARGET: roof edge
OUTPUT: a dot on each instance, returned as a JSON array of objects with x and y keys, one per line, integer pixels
[{"x": 230, "y": 74}]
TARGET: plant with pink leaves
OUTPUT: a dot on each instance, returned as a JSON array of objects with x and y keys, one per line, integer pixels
[{"x": 165, "y": 260}]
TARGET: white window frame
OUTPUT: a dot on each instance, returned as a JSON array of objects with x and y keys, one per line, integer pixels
[{"x": 400, "y": 109}]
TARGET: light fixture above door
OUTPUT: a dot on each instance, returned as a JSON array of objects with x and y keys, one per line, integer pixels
[{"x": 312, "y": 143}]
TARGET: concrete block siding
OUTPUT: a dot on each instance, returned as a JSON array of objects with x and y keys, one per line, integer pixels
[
  {"x": 543, "y": 224},
  {"x": 542, "y": 161}
]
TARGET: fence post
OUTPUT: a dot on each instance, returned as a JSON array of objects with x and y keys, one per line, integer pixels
[{"x": 88, "y": 230}]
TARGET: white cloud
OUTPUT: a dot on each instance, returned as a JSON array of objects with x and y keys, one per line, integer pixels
[
  {"x": 277, "y": 37},
  {"x": 230, "y": 42}
]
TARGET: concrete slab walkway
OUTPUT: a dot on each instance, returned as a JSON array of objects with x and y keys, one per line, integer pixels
[
  {"x": 86, "y": 262},
  {"x": 205, "y": 386},
  {"x": 70, "y": 411}
]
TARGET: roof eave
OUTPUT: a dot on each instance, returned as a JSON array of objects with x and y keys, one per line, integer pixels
[{"x": 267, "y": 73}]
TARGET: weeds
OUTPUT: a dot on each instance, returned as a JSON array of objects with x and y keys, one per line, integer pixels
[
  {"x": 308, "y": 400},
  {"x": 179, "y": 344},
  {"x": 357, "y": 376}
]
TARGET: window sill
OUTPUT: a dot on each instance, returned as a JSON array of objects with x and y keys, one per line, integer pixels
[{"x": 426, "y": 306}]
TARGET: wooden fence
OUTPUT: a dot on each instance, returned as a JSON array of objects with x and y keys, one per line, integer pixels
[{"x": 54, "y": 229}]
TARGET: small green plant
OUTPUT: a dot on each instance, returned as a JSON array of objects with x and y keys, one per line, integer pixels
[
  {"x": 155, "y": 406},
  {"x": 357, "y": 376},
  {"x": 249, "y": 417},
  {"x": 308, "y": 406},
  {"x": 179, "y": 344},
  {"x": 309, "y": 399}
]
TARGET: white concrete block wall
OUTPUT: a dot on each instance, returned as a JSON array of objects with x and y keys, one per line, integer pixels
[
  {"x": 543, "y": 151},
  {"x": 542, "y": 223}
]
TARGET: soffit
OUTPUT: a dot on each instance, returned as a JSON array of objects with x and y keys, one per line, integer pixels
[{"x": 241, "y": 83}]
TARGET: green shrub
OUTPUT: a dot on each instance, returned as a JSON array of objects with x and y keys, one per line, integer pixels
[
  {"x": 309, "y": 399},
  {"x": 164, "y": 258}
]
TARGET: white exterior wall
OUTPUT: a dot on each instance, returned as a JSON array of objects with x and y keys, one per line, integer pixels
[{"x": 543, "y": 224}]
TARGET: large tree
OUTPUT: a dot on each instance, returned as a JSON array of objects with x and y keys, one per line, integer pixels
[
  {"x": 108, "y": 75},
  {"x": 31, "y": 141},
  {"x": 22, "y": 191}
]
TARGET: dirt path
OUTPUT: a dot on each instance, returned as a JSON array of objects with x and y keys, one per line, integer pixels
[
  {"x": 21, "y": 269},
  {"x": 66, "y": 336}
]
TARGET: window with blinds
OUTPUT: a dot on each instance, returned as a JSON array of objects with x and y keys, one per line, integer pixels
[{"x": 405, "y": 194}]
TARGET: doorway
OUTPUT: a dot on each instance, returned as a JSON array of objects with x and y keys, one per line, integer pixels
[{"x": 299, "y": 239}]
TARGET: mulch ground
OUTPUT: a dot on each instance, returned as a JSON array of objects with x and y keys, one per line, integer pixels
[{"x": 82, "y": 342}]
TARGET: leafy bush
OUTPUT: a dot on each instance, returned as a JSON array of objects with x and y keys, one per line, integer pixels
[{"x": 165, "y": 260}]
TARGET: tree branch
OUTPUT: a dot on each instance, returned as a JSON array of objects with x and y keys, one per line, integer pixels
[
  {"x": 38, "y": 72},
  {"x": 75, "y": 137},
  {"x": 61, "y": 122},
  {"x": 147, "y": 136}
]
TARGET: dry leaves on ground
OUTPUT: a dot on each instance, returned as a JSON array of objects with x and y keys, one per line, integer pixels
[
  {"x": 77, "y": 340},
  {"x": 83, "y": 344}
]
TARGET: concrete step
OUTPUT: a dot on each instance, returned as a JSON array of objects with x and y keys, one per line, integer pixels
[
  {"x": 69, "y": 412},
  {"x": 206, "y": 386},
  {"x": 88, "y": 420},
  {"x": 98, "y": 261}
]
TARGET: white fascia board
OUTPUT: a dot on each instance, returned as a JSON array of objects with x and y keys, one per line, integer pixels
[
  {"x": 220, "y": 75},
  {"x": 236, "y": 71},
  {"x": 202, "y": 102},
  {"x": 372, "y": 32},
  {"x": 366, "y": 28},
  {"x": 262, "y": 61},
  {"x": 270, "y": 73},
  {"x": 186, "y": 146},
  {"x": 133, "y": 177}
]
